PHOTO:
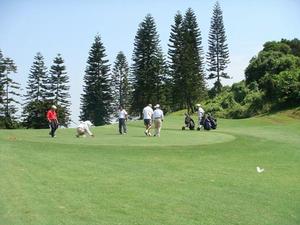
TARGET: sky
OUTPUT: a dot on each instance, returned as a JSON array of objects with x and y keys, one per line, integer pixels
[{"x": 68, "y": 27}]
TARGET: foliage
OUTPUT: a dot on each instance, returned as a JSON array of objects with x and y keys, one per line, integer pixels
[
  {"x": 286, "y": 87},
  {"x": 8, "y": 93},
  {"x": 36, "y": 96},
  {"x": 294, "y": 45},
  {"x": 149, "y": 68},
  {"x": 268, "y": 63},
  {"x": 175, "y": 54},
  {"x": 237, "y": 101},
  {"x": 37, "y": 88},
  {"x": 96, "y": 97},
  {"x": 121, "y": 83},
  {"x": 36, "y": 114},
  {"x": 276, "y": 71},
  {"x": 44, "y": 90},
  {"x": 186, "y": 66},
  {"x": 218, "y": 53},
  {"x": 58, "y": 83}
]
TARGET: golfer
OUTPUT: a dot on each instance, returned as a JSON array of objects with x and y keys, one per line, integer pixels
[
  {"x": 52, "y": 119},
  {"x": 122, "y": 120},
  {"x": 84, "y": 128},
  {"x": 158, "y": 117},
  {"x": 200, "y": 113},
  {"x": 147, "y": 114}
]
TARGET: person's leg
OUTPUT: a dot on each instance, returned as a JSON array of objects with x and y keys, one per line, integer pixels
[
  {"x": 149, "y": 128},
  {"x": 200, "y": 122},
  {"x": 52, "y": 125},
  {"x": 124, "y": 126},
  {"x": 158, "y": 125},
  {"x": 55, "y": 127},
  {"x": 155, "y": 127},
  {"x": 120, "y": 126}
]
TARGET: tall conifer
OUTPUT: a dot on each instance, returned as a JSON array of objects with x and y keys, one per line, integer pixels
[
  {"x": 218, "y": 53},
  {"x": 148, "y": 68},
  {"x": 59, "y": 89},
  {"x": 120, "y": 83},
  {"x": 96, "y": 98},
  {"x": 37, "y": 95},
  {"x": 187, "y": 66},
  {"x": 9, "y": 92}
]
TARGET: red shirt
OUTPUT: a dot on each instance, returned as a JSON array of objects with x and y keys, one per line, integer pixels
[{"x": 51, "y": 115}]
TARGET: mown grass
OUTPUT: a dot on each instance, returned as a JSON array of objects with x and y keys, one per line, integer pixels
[{"x": 183, "y": 177}]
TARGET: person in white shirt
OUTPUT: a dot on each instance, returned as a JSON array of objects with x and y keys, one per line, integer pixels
[
  {"x": 147, "y": 114},
  {"x": 122, "y": 120},
  {"x": 84, "y": 128},
  {"x": 158, "y": 117},
  {"x": 200, "y": 113}
]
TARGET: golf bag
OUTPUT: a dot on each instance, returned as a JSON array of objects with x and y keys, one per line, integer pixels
[
  {"x": 207, "y": 124},
  {"x": 189, "y": 122},
  {"x": 213, "y": 122}
]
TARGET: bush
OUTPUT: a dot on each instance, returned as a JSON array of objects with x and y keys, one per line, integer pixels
[
  {"x": 287, "y": 87},
  {"x": 239, "y": 91},
  {"x": 237, "y": 112}
]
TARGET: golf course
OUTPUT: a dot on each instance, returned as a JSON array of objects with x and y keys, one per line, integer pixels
[{"x": 183, "y": 177}]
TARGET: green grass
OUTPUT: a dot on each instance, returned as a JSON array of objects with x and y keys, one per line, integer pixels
[{"x": 183, "y": 177}]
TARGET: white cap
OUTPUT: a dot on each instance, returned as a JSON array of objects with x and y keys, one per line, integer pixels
[
  {"x": 198, "y": 105},
  {"x": 157, "y": 106},
  {"x": 53, "y": 107}
]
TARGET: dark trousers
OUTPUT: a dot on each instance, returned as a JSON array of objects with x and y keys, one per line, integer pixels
[
  {"x": 53, "y": 127},
  {"x": 122, "y": 125}
]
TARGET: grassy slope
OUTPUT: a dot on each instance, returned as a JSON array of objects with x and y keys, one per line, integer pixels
[{"x": 184, "y": 177}]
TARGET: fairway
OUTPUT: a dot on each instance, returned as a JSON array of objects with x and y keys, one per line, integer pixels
[{"x": 183, "y": 177}]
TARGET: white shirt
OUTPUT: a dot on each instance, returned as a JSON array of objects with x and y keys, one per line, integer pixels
[
  {"x": 158, "y": 114},
  {"x": 200, "y": 112},
  {"x": 147, "y": 112},
  {"x": 85, "y": 126},
  {"x": 122, "y": 114}
]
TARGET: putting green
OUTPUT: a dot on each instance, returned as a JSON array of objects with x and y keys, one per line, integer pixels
[{"x": 108, "y": 135}]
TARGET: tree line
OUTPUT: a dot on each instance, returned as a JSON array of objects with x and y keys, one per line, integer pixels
[{"x": 176, "y": 81}]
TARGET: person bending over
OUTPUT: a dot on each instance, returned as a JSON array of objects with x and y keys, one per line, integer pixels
[{"x": 84, "y": 128}]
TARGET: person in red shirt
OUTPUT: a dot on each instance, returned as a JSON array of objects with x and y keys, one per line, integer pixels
[{"x": 52, "y": 119}]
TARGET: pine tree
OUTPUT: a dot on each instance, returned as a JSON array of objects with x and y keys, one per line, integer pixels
[
  {"x": 37, "y": 95},
  {"x": 218, "y": 53},
  {"x": 2, "y": 69},
  {"x": 9, "y": 92},
  {"x": 175, "y": 55},
  {"x": 59, "y": 89},
  {"x": 37, "y": 89},
  {"x": 186, "y": 56},
  {"x": 96, "y": 99},
  {"x": 149, "y": 69},
  {"x": 120, "y": 85}
]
